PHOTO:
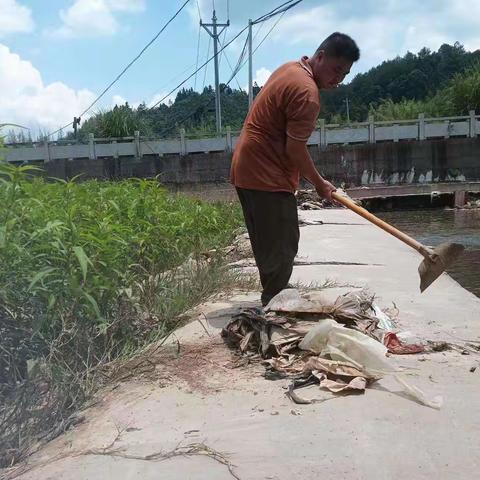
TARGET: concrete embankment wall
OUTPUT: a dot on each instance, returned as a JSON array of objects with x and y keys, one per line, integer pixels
[{"x": 362, "y": 164}]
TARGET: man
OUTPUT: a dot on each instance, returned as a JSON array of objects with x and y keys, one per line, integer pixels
[{"x": 272, "y": 155}]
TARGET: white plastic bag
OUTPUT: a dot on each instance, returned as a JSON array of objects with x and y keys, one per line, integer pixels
[
  {"x": 358, "y": 349},
  {"x": 316, "y": 339}
]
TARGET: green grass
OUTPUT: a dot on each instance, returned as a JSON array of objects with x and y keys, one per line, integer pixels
[{"x": 88, "y": 274}]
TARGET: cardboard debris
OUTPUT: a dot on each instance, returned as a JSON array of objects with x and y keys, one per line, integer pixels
[{"x": 316, "y": 339}]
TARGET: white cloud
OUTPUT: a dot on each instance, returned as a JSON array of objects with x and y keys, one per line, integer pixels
[
  {"x": 261, "y": 76},
  {"x": 14, "y": 18},
  {"x": 26, "y": 100},
  {"x": 158, "y": 96},
  {"x": 94, "y": 18},
  {"x": 126, "y": 5},
  {"x": 119, "y": 100}
]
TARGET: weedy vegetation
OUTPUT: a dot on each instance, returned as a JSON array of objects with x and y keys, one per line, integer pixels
[{"x": 89, "y": 273}]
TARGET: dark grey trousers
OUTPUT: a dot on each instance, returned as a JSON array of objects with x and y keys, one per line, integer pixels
[{"x": 272, "y": 224}]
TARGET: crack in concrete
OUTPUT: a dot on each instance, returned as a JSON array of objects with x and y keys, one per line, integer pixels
[
  {"x": 303, "y": 223},
  {"x": 305, "y": 263}
]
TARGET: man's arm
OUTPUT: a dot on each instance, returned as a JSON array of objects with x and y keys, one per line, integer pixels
[{"x": 297, "y": 153}]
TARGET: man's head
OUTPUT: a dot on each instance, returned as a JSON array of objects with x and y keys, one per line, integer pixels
[{"x": 333, "y": 59}]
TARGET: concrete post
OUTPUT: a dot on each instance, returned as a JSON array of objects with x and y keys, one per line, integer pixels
[
  {"x": 47, "y": 157},
  {"x": 371, "y": 129},
  {"x": 323, "y": 134},
  {"x": 116, "y": 161},
  {"x": 91, "y": 147},
  {"x": 473, "y": 124},
  {"x": 138, "y": 150},
  {"x": 183, "y": 142},
  {"x": 447, "y": 129},
  {"x": 229, "y": 139},
  {"x": 421, "y": 126},
  {"x": 115, "y": 149},
  {"x": 459, "y": 200},
  {"x": 395, "y": 132}
]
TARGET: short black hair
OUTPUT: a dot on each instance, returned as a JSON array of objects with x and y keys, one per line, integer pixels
[{"x": 340, "y": 45}]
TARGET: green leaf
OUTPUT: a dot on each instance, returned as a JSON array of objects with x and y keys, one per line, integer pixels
[
  {"x": 93, "y": 303},
  {"x": 39, "y": 276},
  {"x": 3, "y": 235},
  {"x": 51, "y": 301},
  {"x": 83, "y": 260}
]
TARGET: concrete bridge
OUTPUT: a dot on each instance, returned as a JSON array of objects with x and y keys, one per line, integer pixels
[{"x": 408, "y": 153}]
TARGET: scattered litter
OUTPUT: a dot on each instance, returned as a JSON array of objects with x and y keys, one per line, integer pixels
[
  {"x": 309, "y": 200},
  {"x": 395, "y": 345},
  {"x": 359, "y": 350},
  {"x": 438, "y": 346},
  {"x": 332, "y": 341},
  {"x": 356, "y": 384},
  {"x": 472, "y": 369},
  {"x": 295, "y": 412},
  {"x": 305, "y": 221},
  {"x": 311, "y": 206},
  {"x": 316, "y": 339},
  {"x": 418, "y": 395},
  {"x": 384, "y": 321}
]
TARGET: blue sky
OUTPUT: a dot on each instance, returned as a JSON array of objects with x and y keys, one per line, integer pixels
[{"x": 55, "y": 60}]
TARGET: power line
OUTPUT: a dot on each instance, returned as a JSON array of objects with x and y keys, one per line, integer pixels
[
  {"x": 230, "y": 65},
  {"x": 268, "y": 33},
  {"x": 280, "y": 9},
  {"x": 199, "y": 14},
  {"x": 127, "y": 67},
  {"x": 198, "y": 46},
  {"x": 287, "y": 6},
  {"x": 207, "y": 62}
]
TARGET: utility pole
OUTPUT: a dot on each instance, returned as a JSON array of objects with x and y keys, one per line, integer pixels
[
  {"x": 348, "y": 110},
  {"x": 250, "y": 65},
  {"x": 76, "y": 123},
  {"x": 215, "y": 34}
]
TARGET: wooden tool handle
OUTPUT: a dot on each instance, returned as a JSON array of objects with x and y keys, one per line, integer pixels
[{"x": 380, "y": 223}]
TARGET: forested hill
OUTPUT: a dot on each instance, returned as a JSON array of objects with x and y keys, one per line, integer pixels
[{"x": 413, "y": 78}]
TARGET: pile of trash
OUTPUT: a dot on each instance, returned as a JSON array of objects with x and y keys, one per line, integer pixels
[
  {"x": 340, "y": 341},
  {"x": 472, "y": 204},
  {"x": 309, "y": 200}
]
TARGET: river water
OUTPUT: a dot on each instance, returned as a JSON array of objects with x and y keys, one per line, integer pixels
[{"x": 432, "y": 227}]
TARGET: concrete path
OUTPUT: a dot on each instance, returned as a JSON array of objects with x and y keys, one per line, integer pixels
[{"x": 196, "y": 399}]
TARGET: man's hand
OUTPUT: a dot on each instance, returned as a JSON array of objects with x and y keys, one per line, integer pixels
[{"x": 325, "y": 189}]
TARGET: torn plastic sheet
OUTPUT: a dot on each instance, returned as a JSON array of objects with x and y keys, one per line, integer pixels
[
  {"x": 316, "y": 339},
  {"x": 348, "y": 345},
  {"x": 418, "y": 395}
]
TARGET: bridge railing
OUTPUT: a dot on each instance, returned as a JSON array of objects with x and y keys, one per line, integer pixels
[{"x": 137, "y": 146}]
